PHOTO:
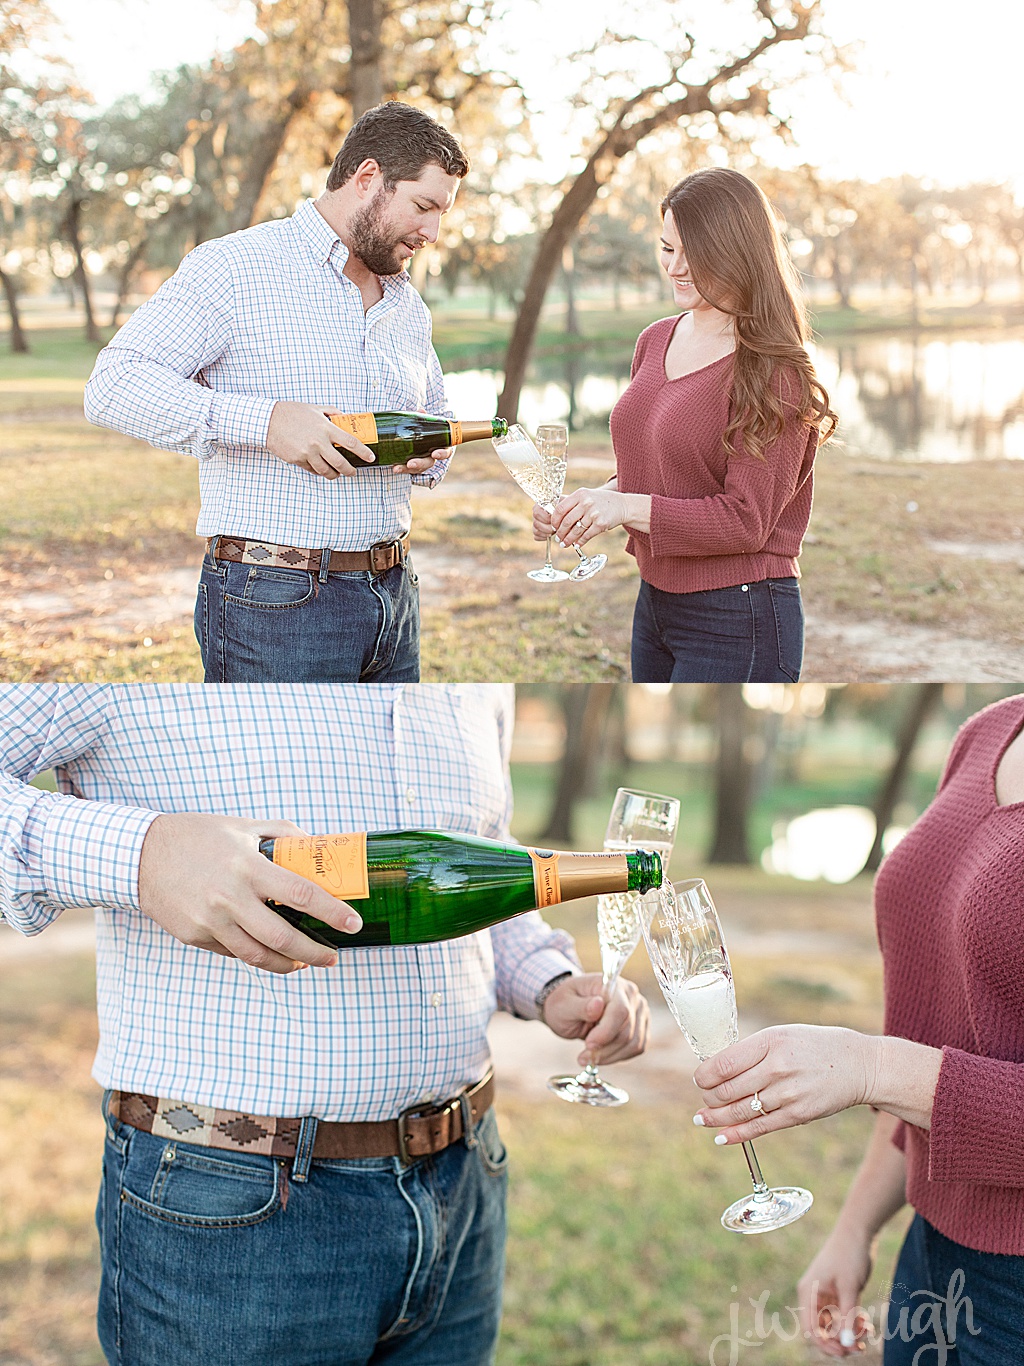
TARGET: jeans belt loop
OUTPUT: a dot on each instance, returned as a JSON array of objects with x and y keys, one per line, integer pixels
[
  {"x": 468, "y": 1133},
  {"x": 304, "y": 1145},
  {"x": 325, "y": 564}
]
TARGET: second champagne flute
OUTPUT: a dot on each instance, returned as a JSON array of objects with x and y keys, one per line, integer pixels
[
  {"x": 646, "y": 819},
  {"x": 687, "y": 951}
]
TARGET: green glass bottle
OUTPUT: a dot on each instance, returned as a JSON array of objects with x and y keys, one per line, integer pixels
[
  {"x": 397, "y": 437},
  {"x": 417, "y": 886}
]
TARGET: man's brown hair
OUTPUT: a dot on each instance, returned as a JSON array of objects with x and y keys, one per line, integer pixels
[{"x": 401, "y": 140}]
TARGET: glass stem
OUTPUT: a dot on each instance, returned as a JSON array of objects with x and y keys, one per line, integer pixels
[
  {"x": 761, "y": 1191},
  {"x": 547, "y": 555}
]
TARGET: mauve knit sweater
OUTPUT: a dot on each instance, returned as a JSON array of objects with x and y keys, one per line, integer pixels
[
  {"x": 716, "y": 519},
  {"x": 949, "y": 902}
]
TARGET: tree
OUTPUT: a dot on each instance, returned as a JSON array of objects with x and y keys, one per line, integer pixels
[
  {"x": 693, "y": 91},
  {"x": 732, "y": 778},
  {"x": 585, "y": 707},
  {"x": 922, "y": 703}
]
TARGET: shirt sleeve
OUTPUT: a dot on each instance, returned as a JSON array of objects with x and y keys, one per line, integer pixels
[
  {"x": 437, "y": 404},
  {"x": 58, "y": 851},
  {"x": 740, "y": 519},
  {"x": 977, "y": 1121},
  {"x": 147, "y": 381}
]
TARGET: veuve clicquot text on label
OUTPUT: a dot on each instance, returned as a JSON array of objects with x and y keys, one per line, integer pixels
[
  {"x": 397, "y": 437},
  {"x": 415, "y": 886}
]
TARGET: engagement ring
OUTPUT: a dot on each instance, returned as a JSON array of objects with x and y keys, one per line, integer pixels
[{"x": 756, "y": 1103}]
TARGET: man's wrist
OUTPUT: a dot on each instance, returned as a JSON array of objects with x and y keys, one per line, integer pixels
[{"x": 546, "y": 991}]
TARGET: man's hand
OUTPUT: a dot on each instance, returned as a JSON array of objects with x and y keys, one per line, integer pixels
[
  {"x": 615, "y": 1029},
  {"x": 301, "y": 434},
  {"x": 203, "y": 879},
  {"x": 419, "y": 464},
  {"x": 543, "y": 526}
]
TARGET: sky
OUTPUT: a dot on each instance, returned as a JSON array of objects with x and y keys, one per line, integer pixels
[{"x": 934, "y": 94}]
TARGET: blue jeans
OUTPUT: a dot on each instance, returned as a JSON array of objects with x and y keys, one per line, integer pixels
[
  {"x": 257, "y": 624},
  {"x": 213, "y": 1258},
  {"x": 952, "y": 1306},
  {"x": 751, "y": 633}
]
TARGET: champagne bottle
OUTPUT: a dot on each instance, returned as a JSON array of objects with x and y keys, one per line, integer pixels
[
  {"x": 397, "y": 437},
  {"x": 416, "y": 886}
]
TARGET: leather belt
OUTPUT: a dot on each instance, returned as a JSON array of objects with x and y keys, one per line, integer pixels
[
  {"x": 418, "y": 1131},
  {"x": 378, "y": 559}
]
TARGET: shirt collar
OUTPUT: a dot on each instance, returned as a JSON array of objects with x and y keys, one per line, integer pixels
[{"x": 325, "y": 243}]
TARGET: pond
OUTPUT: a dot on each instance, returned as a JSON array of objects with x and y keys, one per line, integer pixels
[{"x": 907, "y": 397}]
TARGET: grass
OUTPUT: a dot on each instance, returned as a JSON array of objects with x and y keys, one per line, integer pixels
[{"x": 616, "y": 1257}]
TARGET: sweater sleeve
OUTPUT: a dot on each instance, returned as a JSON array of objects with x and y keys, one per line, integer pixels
[
  {"x": 977, "y": 1121},
  {"x": 740, "y": 519}
]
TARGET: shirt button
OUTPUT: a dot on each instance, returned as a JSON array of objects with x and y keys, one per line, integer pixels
[
  {"x": 410, "y": 794},
  {"x": 435, "y": 1000}
]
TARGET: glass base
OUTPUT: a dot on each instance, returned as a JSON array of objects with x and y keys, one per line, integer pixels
[
  {"x": 588, "y": 567},
  {"x": 782, "y": 1205},
  {"x": 587, "y": 1088},
  {"x": 547, "y": 573}
]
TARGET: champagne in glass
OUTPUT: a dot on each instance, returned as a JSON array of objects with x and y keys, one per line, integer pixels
[
  {"x": 525, "y": 464},
  {"x": 552, "y": 440},
  {"x": 687, "y": 951},
  {"x": 637, "y": 818}
]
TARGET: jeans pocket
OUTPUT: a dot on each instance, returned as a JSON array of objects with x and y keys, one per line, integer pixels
[
  {"x": 190, "y": 1187},
  {"x": 274, "y": 588},
  {"x": 493, "y": 1153},
  {"x": 787, "y": 608}
]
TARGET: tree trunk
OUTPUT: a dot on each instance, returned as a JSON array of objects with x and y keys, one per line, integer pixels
[
  {"x": 572, "y": 322},
  {"x": 18, "y": 341},
  {"x": 124, "y": 278},
  {"x": 366, "y": 81},
  {"x": 732, "y": 779},
  {"x": 73, "y": 228},
  {"x": 585, "y": 706},
  {"x": 926, "y": 697}
]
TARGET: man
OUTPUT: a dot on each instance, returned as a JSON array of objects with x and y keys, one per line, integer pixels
[
  {"x": 236, "y": 360},
  {"x": 257, "y": 1204}
]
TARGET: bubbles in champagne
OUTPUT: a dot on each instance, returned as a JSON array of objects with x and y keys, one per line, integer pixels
[{"x": 704, "y": 1007}]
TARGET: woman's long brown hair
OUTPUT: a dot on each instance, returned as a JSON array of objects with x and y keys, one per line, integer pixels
[{"x": 739, "y": 263}]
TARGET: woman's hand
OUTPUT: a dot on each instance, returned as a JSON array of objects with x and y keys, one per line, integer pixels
[
  {"x": 829, "y": 1292},
  {"x": 800, "y": 1073},
  {"x": 580, "y": 516},
  {"x": 543, "y": 526}
]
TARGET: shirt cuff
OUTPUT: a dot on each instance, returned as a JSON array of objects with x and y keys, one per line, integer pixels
[
  {"x": 432, "y": 476},
  {"x": 88, "y": 853},
  {"x": 534, "y": 973},
  {"x": 240, "y": 419}
]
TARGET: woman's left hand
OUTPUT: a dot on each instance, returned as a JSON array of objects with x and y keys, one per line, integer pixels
[
  {"x": 798, "y": 1072},
  {"x": 580, "y": 516}
]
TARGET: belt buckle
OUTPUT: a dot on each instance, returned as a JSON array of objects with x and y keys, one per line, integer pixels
[
  {"x": 381, "y": 557},
  {"x": 419, "y": 1112}
]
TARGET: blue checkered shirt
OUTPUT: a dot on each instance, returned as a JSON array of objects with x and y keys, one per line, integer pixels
[
  {"x": 384, "y": 1029},
  {"x": 259, "y": 316}
]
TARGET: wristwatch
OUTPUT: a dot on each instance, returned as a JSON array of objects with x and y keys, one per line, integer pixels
[{"x": 546, "y": 991}]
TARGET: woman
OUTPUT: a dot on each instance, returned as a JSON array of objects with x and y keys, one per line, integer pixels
[
  {"x": 947, "y": 1078},
  {"x": 714, "y": 443}
]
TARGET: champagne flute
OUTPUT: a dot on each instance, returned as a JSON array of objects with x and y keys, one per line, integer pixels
[
  {"x": 525, "y": 464},
  {"x": 638, "y": 819},
  {"x": 552, "y": 440},
  {"x": 687, "y": 951}
]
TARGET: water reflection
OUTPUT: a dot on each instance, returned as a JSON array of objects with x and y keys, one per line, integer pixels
[
  {"x": 906, "y": 397},
  {"x": 831, "y": 843}
]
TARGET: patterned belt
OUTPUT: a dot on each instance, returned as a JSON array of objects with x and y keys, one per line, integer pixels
[
  {"x": 378, "y": 559},
  {"x": 417, "y": 1132}
]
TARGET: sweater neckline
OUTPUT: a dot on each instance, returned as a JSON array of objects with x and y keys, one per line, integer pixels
[
  {"x": 1007, "y": 742},
  {"x": 689, "y": 373}
]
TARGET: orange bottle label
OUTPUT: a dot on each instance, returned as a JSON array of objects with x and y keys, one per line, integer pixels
[
  {"x": 362, "y": 426},
  {"x": 337, "y": 863},
  {"x": 456, "y": 430},
  {"x": 546, "y": 882}
]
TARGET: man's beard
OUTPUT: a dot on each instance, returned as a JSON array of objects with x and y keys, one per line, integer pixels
[{"x": 370, "y": 240}]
